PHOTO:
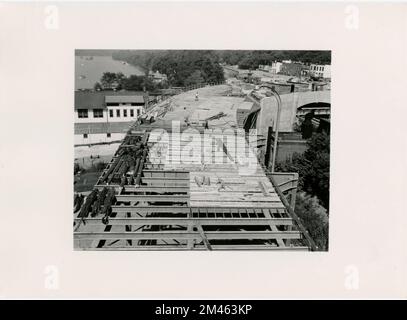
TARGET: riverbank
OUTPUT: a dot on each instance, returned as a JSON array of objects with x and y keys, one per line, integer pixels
[{"x": 89, "y": 69}]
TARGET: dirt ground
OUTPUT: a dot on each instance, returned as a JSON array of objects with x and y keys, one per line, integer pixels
[{"x": 99, "y": 153}]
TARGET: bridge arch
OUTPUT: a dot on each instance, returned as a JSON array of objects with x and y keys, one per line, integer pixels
[{"x": 291, "y": 102}]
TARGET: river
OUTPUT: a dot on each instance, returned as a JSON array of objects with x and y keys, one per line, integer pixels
[{"x": 89, "y": 70}]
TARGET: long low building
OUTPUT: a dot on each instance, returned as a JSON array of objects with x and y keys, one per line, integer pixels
[
  {"x": 105, "y": 116},
  {"x": 103, "y": 132}
]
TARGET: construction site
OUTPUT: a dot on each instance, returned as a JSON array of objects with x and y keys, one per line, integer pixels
[{"x": 187, "y": 176}]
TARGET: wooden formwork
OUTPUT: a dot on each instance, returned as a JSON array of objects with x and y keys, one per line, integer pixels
[{"x": 195, "y": 206}]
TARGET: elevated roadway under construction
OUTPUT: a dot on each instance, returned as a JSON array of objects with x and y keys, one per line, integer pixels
[{"x": 185, "y": 178}]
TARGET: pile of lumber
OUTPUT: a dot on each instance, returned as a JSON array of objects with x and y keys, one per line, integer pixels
[
  {"x": 216, "y": 116},
  {"x": 97, "y": 203},
  {"x": 128, "y": 162}
]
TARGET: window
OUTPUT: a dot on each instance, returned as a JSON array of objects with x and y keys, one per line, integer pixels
[
  {"x": 118, "y": 113},
  {"x": 98, "y": 113},
  {"x": 111, "y": 113},
  {"x": 82, "y": 113},
  {"x": 138, "y": 112},
  {"x": 125, "y": 113},
  {"x": 109, "y": 135},
  {"x": 85, "y": 135},
  {"x": 132, "y": 113}
]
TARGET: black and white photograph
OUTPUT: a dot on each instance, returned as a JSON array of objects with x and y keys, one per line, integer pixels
[
  {"x": 202, "y": 149},
  {"x": 203, "y": 158}
]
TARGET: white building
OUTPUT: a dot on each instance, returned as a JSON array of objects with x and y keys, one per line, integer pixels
[
  {"x": 105, "y": 116},
  {"x": 320, "y": 70},
  {"x": 276, "y": 67}
]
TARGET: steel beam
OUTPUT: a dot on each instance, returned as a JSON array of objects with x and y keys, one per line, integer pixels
[
  {"x": 192, "y": 221},
  {"x": 210, "y": 235},
  {"x": 199, "y": 248}
]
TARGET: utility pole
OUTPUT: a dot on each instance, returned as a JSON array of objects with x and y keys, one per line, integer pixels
[
  {"x": 277, "y": 96},
  {"x": 276, "y": 126}
]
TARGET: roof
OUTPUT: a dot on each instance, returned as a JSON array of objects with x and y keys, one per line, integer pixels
[
  {"x": 89, "y": 100},
  {"x": 102, "y": 127},
  {"x": 97, "y": 99},
  {"x": 125, "y": 99}
]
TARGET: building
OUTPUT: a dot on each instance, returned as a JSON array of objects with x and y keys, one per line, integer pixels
[
  {"x": 108, "y": 106},
  {"x": 320, "y": 70},
  {"x": 104, "y": 116},
  {"x": 276, "y": 67},
  {"x": 157, "y": 77},
  {"x": 292, "y": 69}
]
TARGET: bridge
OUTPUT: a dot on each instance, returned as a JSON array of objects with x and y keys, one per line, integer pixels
[{"x": 293, "y": 104}]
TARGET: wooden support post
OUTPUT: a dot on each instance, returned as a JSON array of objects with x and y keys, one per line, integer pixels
[
  {"x": 190, "y": 227},
  {"x": 128, "y": 228},
  {"x": 203, "y": 236}
]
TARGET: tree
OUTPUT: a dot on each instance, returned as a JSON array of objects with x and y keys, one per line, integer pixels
[
  {"x": 180, "y": 66},
  {"x": 316, "y": 180},
  {"x": 252, "y": 59},
  {"x": 111, "y": 80},
  {"x": 313, "y": 167},
  {"x": 108, "y": 79},
  {"x": 314, "y": 217},
  {"x": 133, "y": 82},
  {"x": 195, "y": 78},
  {"x": 98, "y": 87}
]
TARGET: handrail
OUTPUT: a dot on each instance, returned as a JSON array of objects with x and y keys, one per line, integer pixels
[{"x": 293, "y": 215}]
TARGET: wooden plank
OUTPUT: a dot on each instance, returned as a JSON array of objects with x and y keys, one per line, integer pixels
[
  {"x": 176, "y": 189},
  {"x": 151, "y": 209},
  {"x": 185, "y": 209},
  {"x": 237, "y": 204},
  {"x": 232, "y": 196},
  {"x": 166, "y": 174},
  {"x": 165, "y": 180},
  {"x": 156, "y": 197},
  {"x": 230, "y": 174},
  {"x": 204, "y": 237},
  {"x": 216, "y": 187}
]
